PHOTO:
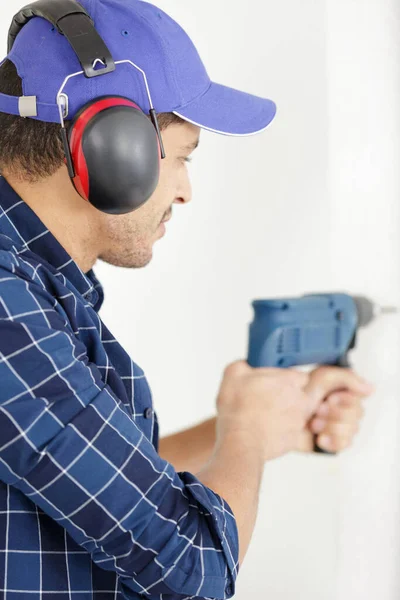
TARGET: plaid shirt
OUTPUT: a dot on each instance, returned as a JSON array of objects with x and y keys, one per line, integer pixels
[{"x": 88, "y": 509}]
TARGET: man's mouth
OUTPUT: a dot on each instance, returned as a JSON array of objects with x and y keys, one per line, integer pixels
[{"x": 167, "y": 219}]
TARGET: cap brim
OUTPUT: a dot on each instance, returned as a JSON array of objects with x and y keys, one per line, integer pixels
[{"x": 228, "y": 111}]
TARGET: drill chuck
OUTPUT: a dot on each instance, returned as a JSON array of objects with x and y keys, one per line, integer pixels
[{"x": 367, "y": 310}]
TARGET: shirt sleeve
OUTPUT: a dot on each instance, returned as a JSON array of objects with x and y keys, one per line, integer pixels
[{"x": 69, "y": 445}]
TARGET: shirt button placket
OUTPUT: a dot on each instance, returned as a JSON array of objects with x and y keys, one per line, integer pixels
[{"x": 148, "y": 413}]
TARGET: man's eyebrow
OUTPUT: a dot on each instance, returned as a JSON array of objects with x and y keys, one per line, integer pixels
[{"x": 192, "y": 146}]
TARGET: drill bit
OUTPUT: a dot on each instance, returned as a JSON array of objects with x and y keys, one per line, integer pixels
[
  {"x": 378, "y": 310},
  {"x": 388, "y": 310}
]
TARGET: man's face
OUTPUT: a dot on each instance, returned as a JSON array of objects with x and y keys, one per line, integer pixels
[{"x": 128, "y": 239}]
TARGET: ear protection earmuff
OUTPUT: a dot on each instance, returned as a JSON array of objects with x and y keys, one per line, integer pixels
[
  {"x": 113, "y": 149},
  {"x": 115, "y": 155}
]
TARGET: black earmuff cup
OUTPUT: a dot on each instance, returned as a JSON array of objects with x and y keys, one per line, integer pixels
[{"x": 121, "y": 150}]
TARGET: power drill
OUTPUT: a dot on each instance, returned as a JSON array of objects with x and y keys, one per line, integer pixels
[{"x": 313, "y": 329}]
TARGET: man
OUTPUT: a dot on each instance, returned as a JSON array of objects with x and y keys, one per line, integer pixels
[{"x": 91, "y": 503}]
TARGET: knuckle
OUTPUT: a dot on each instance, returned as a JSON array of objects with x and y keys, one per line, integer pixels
[
  {"x": 347, "y": 370},
  {"x": 342, "y": 441},
  {"x": 340, "y": 444},
  {"x": 356, "y": 415},
  {"x": 341, "y": 414},
  {"x": 229, "y": 370},
  {"x": 351, "y": 398},
  {"x": 302, "y": 378},
  {"x": 321, "y": 376},
  {"x": 297, "y": 378},
  {"x": 339, "y": 429},
  {"x": 272, "y": 371},
  {"x": 350, "y": 376},
  {"x": 323, "y": 371},
  {"x": 236, "y": 368}
]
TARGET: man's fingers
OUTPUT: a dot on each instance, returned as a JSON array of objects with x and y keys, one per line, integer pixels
[
  {"x": 330, "y": 379},
  {"x": 337, "y": 420},
  {"x": 352, "y": 381},
  {"x": 337, "y": 428},
  {"x": 344, "y": 414},
  {"x": 345, "y": 399},
  {"x": 339, "y": 400},
  {"x": 336, "y": 437},
  {"x": 349, "y": 418},
  {"x": 333, "y": 444},
  {"x": 317, "y": 425},
  {"x": 341, "y": 430}
]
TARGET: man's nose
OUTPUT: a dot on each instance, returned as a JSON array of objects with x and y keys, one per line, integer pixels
[
  {"x": 182, "y": 200},
  {"x": 184, "y": 197},
  {"x": 184, "y": 189}
]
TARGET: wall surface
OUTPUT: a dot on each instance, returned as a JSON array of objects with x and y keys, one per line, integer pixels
[
  {"x": 364, "y": 188},
  {"x": 310, "y": 205}
]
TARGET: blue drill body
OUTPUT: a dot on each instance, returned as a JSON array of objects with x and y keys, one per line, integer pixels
[{"x": 314, "y": 329}]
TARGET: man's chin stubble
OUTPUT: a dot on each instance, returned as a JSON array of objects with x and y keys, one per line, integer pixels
[{"x": 137, "y": 261}]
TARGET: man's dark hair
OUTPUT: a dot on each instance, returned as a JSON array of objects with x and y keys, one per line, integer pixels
[{"x": 33, "y": 149}]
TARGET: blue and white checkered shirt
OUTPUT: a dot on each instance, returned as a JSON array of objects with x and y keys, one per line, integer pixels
[{"x": 88, "y": 509}]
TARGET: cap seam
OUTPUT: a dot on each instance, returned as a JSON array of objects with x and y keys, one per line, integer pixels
[
  {"x": 195, "y": 98},
  {"x": 164, "y": 48}
]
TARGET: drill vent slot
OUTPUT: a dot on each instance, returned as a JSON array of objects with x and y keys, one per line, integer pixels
[{"x": 289, "y": 341}]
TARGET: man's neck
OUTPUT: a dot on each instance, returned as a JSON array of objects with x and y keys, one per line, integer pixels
[{"x": 73, "y": 221}]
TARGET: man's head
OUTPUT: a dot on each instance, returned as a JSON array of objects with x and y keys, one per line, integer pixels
[
  {"x": 32, "y": 158},
  {"x": 181, "y": 93}
]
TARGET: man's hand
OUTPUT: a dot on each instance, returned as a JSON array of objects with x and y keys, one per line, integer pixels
[
  {"x": 264, "y": 407},
  {"x": 336, "y": 421}
]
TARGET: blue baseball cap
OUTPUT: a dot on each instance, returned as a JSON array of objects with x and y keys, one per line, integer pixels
[{"x": 142, "y": 33}]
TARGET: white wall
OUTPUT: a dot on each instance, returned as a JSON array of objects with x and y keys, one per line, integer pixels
[
  {"x": 364, "y": 185},
  {"x": 310, "y": 205}
]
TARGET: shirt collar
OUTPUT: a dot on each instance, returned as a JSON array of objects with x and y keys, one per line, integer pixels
[{"x": 27, "y": 232}]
